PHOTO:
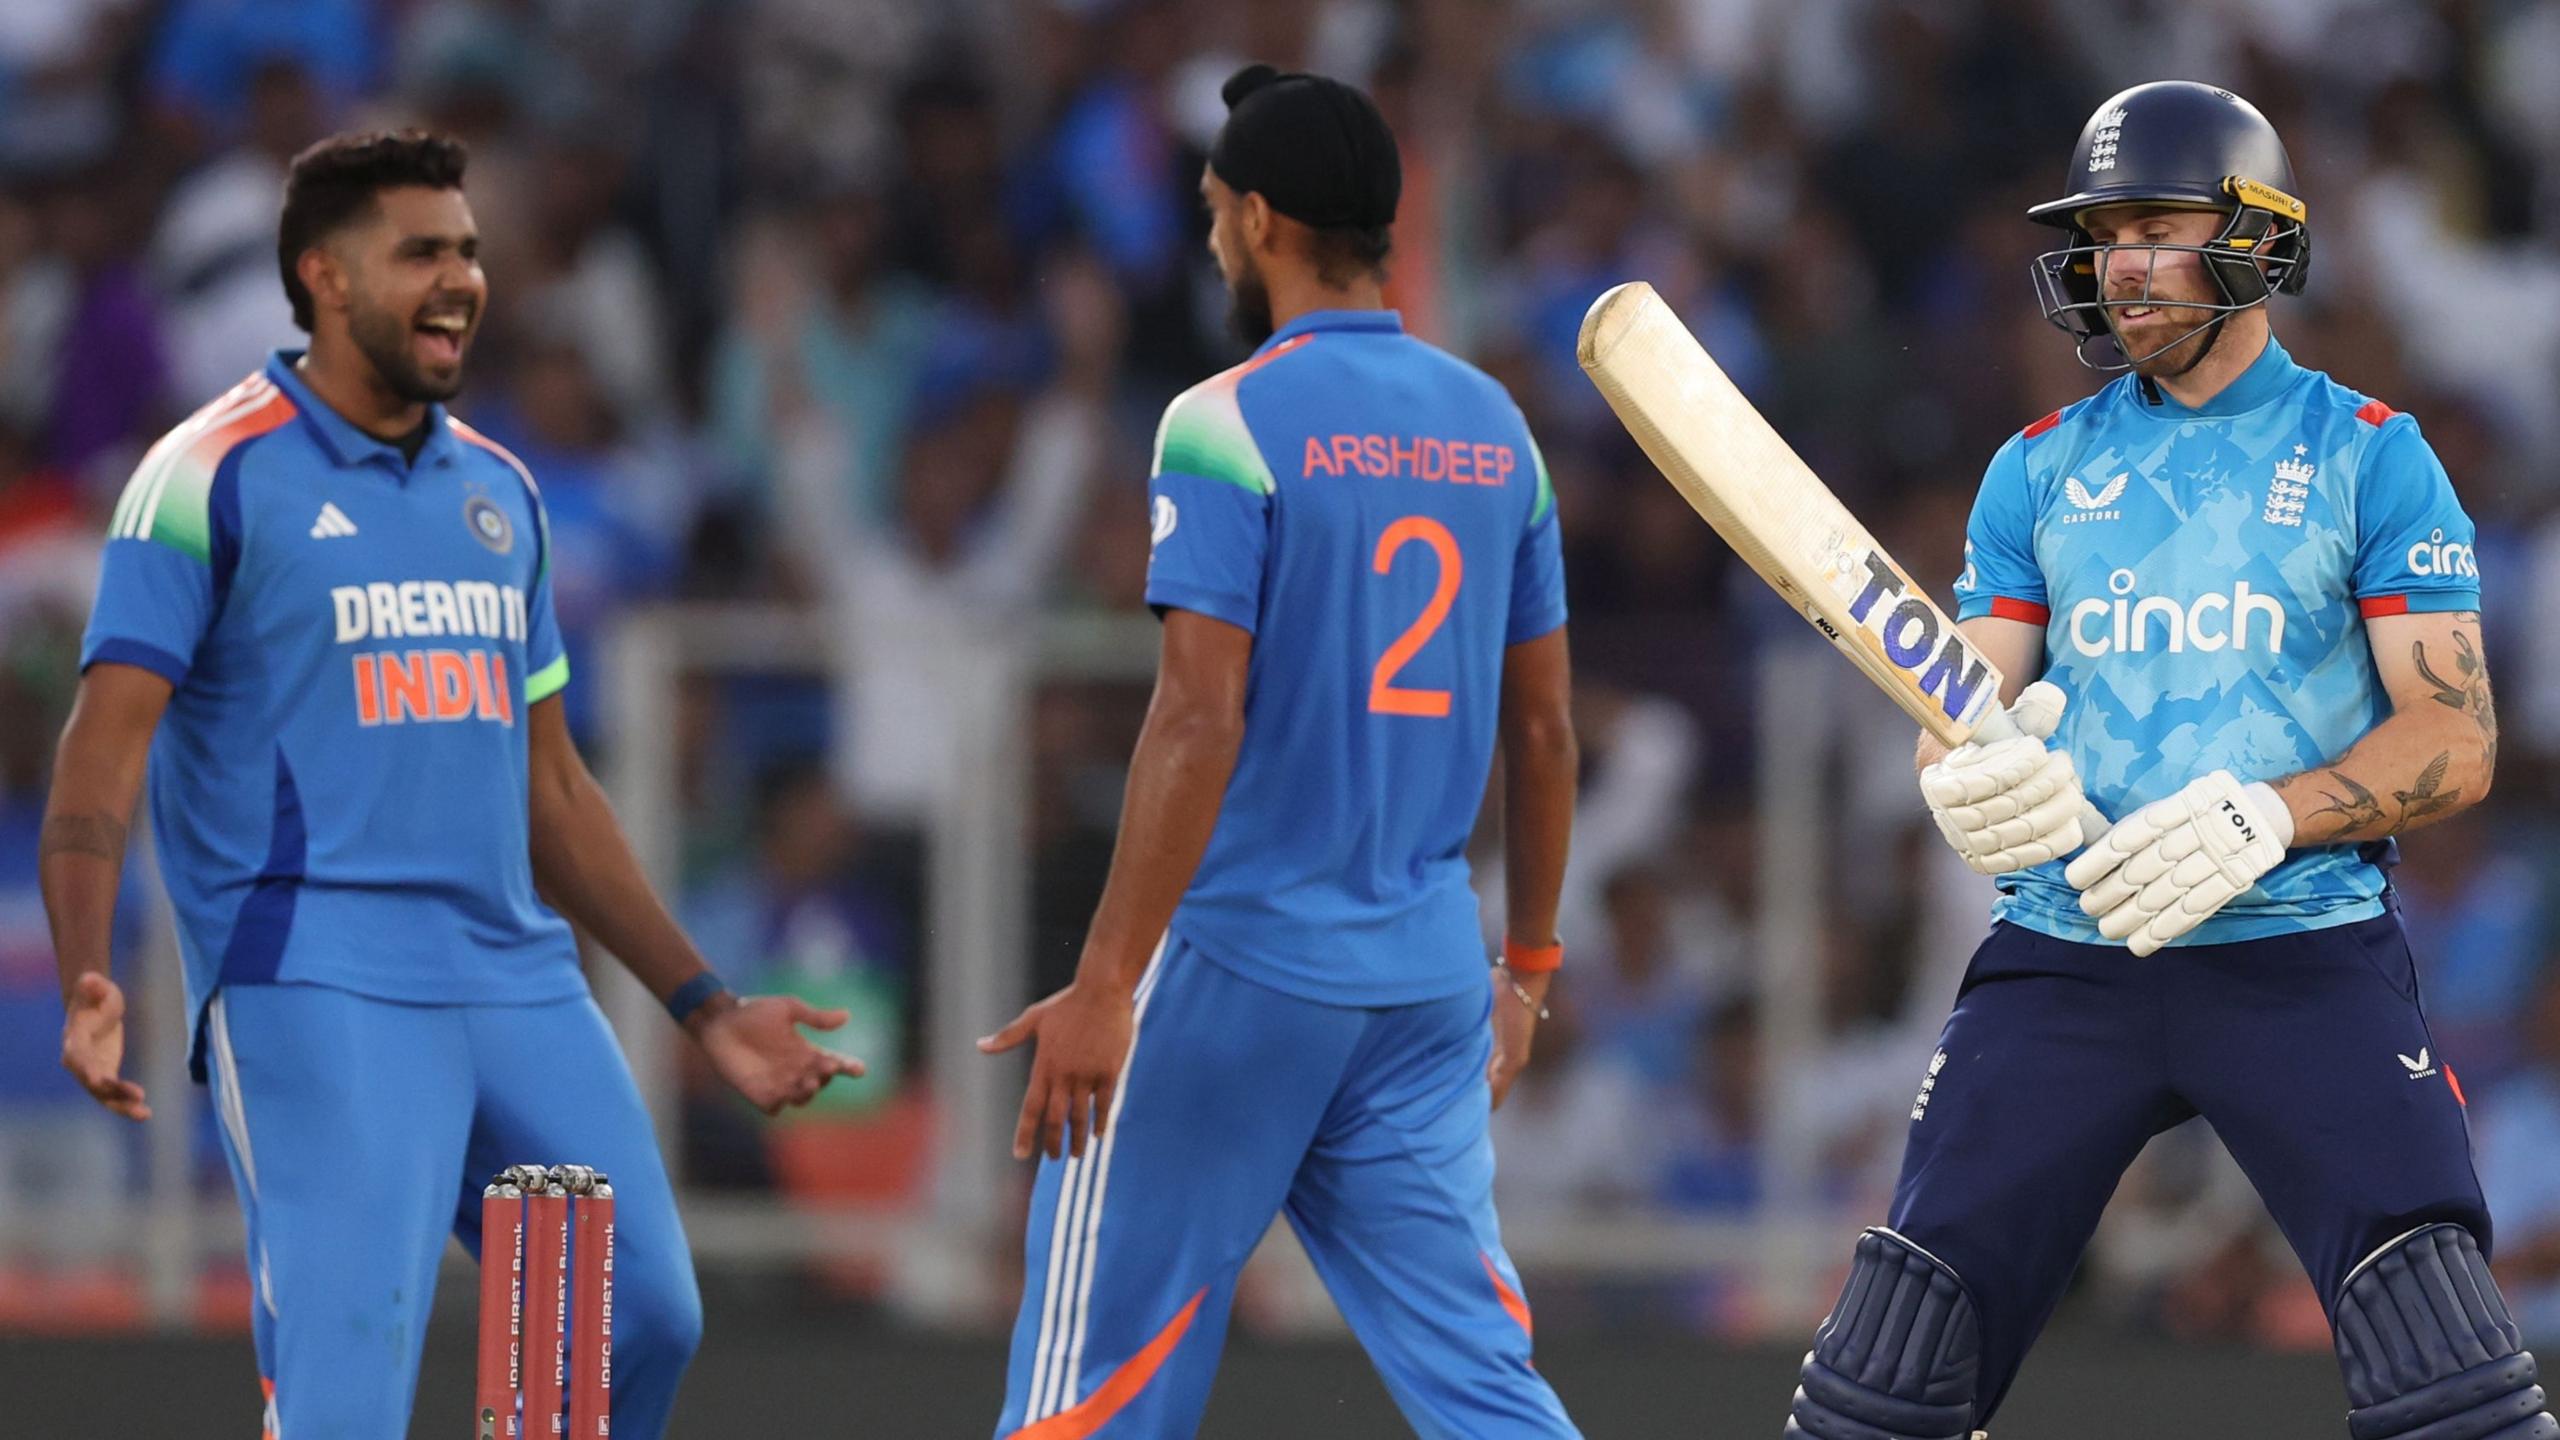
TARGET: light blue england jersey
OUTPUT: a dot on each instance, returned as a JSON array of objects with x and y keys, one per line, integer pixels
[{"x": 2204, "y": 576}]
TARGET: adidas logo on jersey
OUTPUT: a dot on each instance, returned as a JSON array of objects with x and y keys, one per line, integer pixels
[
  {"x": 2128, "y": 623},
  {"x": 332, "y": 524},
  {"x": 2098, "y": 506}
]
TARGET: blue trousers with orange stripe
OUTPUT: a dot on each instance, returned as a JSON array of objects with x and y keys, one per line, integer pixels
[
  {"x": 1366, "y": 1127},
  {"x": 360, "y": 1132}
]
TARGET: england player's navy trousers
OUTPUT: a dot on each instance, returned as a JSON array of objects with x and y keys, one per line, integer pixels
[{"x": 2307, "y": 1053}]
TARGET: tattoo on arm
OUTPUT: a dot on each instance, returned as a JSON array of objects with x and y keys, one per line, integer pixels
[
  {"x": 2468, "y": 690},
  {"x": 99, "y": 835},
  {"x": 2356, "y": 808},
  {"x": 2428, "y": 795}
]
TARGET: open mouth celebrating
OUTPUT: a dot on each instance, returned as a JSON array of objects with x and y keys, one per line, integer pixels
[{"x": 441, "y": 336}]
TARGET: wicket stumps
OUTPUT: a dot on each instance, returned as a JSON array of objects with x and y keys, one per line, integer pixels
[{"x": 546, "y": 1305}]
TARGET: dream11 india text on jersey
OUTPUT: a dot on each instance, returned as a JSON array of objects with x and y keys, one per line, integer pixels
[
  {"x": 338, "y": 783},
  {"x": 1373, "y": 510},
  {"x": 2203, "y": 576}
]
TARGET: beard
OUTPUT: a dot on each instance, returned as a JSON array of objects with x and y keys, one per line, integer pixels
[
  {"x": 384, "y": 339},
  {"x": 1249, "y": 306},
  {"x": 2196, "y": 339}
]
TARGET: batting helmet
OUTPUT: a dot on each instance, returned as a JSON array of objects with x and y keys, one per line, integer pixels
[{"x": 2192, "y": 146}]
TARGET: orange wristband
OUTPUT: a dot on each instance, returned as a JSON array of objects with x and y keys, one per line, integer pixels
[{"x": 1525, "y": 960}]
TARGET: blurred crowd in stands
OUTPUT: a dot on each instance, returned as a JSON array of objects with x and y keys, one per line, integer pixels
[{"x": 871, "y": 305}]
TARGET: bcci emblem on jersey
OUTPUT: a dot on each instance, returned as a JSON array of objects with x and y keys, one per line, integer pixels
[{"x": 489, "y": 524}]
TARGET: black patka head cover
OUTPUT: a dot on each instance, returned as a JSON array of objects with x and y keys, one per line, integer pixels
[{"x": 1316, "y": 149}]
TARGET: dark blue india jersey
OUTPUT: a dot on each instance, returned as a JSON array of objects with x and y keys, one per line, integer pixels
[
  {"x": 1374, "y": 512},
  {"x": 338, "y": 785}
]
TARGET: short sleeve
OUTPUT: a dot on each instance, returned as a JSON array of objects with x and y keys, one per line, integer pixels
[
  {"x": 1209, "y": 509},
  {"x": 170, "y": 549},
  {"x": 546, "y": 662},
  {"x": 2413, "y": 543},
  {"x": 2001, "y": 577},
  {"x": 1537, "y": 571}
]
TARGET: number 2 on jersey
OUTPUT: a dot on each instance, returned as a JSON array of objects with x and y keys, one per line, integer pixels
[{"x": 1385, "y": 696}]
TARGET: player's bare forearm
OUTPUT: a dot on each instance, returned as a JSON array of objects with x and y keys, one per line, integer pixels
[
  {"x": 584, "y": 864},
  {"x": 2432, "y": 759},
  {"x": 1177, "y": 779},
  {"x": 2413, "y": 769},
  {"x": 97, "y": 774},
  {"x": 2016, "y": 646},
  {"x": 1541, "y": 763}
]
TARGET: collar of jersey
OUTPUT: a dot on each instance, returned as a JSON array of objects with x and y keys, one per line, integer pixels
[
  {"x": 338, "y": 436},
  {"x": 2266, "y": 378},
  {"x": 1383, "y": 322}
]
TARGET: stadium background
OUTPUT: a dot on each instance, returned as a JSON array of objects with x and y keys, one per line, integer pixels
[{"x": 836, "y": 331}]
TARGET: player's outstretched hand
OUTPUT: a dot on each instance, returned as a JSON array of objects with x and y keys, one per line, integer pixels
[
  {"x": 1080, "y": 1040},
  {"x": 2011, "y": 804},
  {"x": 1515, "y": 1028},
  {"x": 2171, "y": 864},
  {"x": 757, "y": 1047},
  {"x": 93, "y": 1046}
]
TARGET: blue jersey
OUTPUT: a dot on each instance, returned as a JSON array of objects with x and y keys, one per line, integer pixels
[
  {"x": 1373, "y": 510},
  {"x": 338, "y": 784},
  {"x": 2203, "y": 576}
]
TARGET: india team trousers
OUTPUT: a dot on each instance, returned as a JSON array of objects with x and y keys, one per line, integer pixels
[
  {"x": 360, "y": 1133},
  {"x": 2307, "y": 1053},
  {"x": 1366, "y": 1127}
]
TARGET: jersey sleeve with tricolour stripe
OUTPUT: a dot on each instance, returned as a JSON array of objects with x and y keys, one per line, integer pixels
[
  {"x": 546, "y": 658},
  {"x": 1209, "y": 499},
  {"x": 2001, "y": 577},
  {"x": 171, "y": 546},
  {"x": 2413, "y": 542},
  {"x": 1537, "y": 571}
]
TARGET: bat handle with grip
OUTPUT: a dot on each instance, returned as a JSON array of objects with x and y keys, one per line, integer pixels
[{"x": 1995, "y": 726}]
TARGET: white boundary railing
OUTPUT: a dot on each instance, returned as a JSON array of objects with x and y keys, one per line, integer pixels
[
  {"x": 978, "y": 902},
  {"x": 948, "y": 1263}
]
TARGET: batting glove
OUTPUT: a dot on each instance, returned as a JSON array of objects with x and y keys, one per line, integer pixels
[
  {"x": 2171, "y": 864},
  {"x": 2012, "y": 804}
]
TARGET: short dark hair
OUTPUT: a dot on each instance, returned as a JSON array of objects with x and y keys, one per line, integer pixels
[
  {"x": 1344, "y": 253},
  {"x": 334, "y": 183}
]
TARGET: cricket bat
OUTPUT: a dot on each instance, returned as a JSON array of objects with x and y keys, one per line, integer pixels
[{"x": 1749, "y": 484}]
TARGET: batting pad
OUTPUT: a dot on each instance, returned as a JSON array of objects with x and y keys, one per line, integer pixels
[
  {"x": 2428, "y": 1349},
  {"x": 1898, "y": 1358}
]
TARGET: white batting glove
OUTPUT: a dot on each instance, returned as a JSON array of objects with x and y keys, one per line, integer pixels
[
  {"x": 2011, "y": 804},
  {"x": 2170, "y": 865}
]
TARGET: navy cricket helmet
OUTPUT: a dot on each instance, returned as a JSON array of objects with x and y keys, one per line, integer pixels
[{"x": 2192, "y": 146}]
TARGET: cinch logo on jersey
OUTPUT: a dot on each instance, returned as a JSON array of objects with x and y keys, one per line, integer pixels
[
  {"x": 1414, "y": 457},
  {"x": 2126, "y": 624},
  {"x": 1916, "y": 637},
  {"x": 430, "y": 685},
  {"x": 2432, "y": 556}
]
